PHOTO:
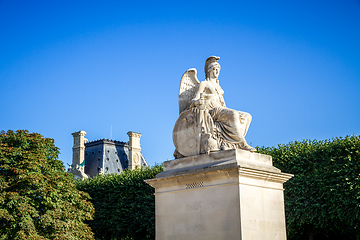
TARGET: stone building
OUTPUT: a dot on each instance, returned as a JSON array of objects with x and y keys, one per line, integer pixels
[{"x": 105, "y": 156}]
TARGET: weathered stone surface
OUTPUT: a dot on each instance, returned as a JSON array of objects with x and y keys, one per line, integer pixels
[
  {"x": 217, "y": 187},
  {"x": 233, "y": 194},
  {"x": 205, "y": 124},
  {"x": 78, "y": 162},
  {"x": 134, "y": 150}
]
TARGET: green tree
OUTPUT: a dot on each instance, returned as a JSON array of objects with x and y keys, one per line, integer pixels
[
  {"x": 38, "y": 199},
  {"x": 124, "y": 204},
  {"x": 322, "y": 200}
]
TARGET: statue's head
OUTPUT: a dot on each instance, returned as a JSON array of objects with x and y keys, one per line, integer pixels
[{"x": 210, "y": 64}]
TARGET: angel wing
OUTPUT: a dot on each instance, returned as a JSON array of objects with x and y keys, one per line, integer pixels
[{"x": 189, "y": 85}]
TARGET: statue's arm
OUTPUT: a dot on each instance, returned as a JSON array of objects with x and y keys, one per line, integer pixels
[
  {"x": 196, "y": 100},
  {"x": 200, "y": 90}
]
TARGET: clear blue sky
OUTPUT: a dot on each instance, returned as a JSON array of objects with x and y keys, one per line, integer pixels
[{"x": 67, "y": 66}]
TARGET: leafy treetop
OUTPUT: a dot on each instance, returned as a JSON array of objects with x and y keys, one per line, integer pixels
[{"x": 38, "y": 198}]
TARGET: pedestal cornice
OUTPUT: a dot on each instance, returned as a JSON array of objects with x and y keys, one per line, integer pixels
[{"x": 236, "y": 166}]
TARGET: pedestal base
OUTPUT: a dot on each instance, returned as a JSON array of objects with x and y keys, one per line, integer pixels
[{"x": 230, "y": 194}]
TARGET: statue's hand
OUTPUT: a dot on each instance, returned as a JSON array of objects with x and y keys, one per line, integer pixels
[{"x": 194, "y": 103}]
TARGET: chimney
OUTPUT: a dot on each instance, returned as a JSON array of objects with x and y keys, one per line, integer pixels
[
  {"x": 134, "y": 150},
  {"x": 79, "y": 150}
]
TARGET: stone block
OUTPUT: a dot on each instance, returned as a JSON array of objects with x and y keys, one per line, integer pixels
[{"x": 233, "y": 194}]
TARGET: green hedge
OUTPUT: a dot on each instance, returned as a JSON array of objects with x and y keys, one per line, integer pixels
[
  {"x": 322, "y": 200},
  {"x": 124, "y": 204}
]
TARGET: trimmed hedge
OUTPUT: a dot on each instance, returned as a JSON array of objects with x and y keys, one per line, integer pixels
[
  {"x": 322, "y": 200},
  {"x": 124, "y": 204}
]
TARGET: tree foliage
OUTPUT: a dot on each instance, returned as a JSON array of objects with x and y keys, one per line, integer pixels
[
  {"x": 323, "y": 198},
  {"x": 124, "y": 204},
  {"x": 38, "y": 199}
]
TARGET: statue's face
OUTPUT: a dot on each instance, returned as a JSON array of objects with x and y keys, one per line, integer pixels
[{"x": 214, "y": 72}]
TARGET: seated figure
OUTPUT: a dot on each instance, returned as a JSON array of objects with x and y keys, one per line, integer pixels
[{"x": 205, "y": 124}]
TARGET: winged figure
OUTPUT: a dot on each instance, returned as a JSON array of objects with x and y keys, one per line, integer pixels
[
  {"x": 205, "y": 124},
  {"x": 189, "y": 85}
]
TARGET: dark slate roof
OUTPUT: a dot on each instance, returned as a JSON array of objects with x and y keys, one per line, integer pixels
[
  {"x": 109, "y": 155},
  {"x": 104, "y": 140}
]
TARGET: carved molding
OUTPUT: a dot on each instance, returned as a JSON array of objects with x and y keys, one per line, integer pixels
[
  {"x": 134, "y": 134},
  {"x": 264, "y": 175}
]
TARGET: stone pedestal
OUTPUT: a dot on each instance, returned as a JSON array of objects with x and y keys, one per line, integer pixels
[{"x": 231, "y": 194}]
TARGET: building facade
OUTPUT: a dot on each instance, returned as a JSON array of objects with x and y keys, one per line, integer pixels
[{"x": 105, "y": 156}]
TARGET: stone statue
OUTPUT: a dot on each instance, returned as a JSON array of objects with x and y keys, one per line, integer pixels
[
  {"x": 205, "y": 124},
  {"x": 78, "y": 171}
]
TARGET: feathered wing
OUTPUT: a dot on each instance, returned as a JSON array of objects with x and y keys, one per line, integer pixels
[{"x": 188, "y": 87}]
